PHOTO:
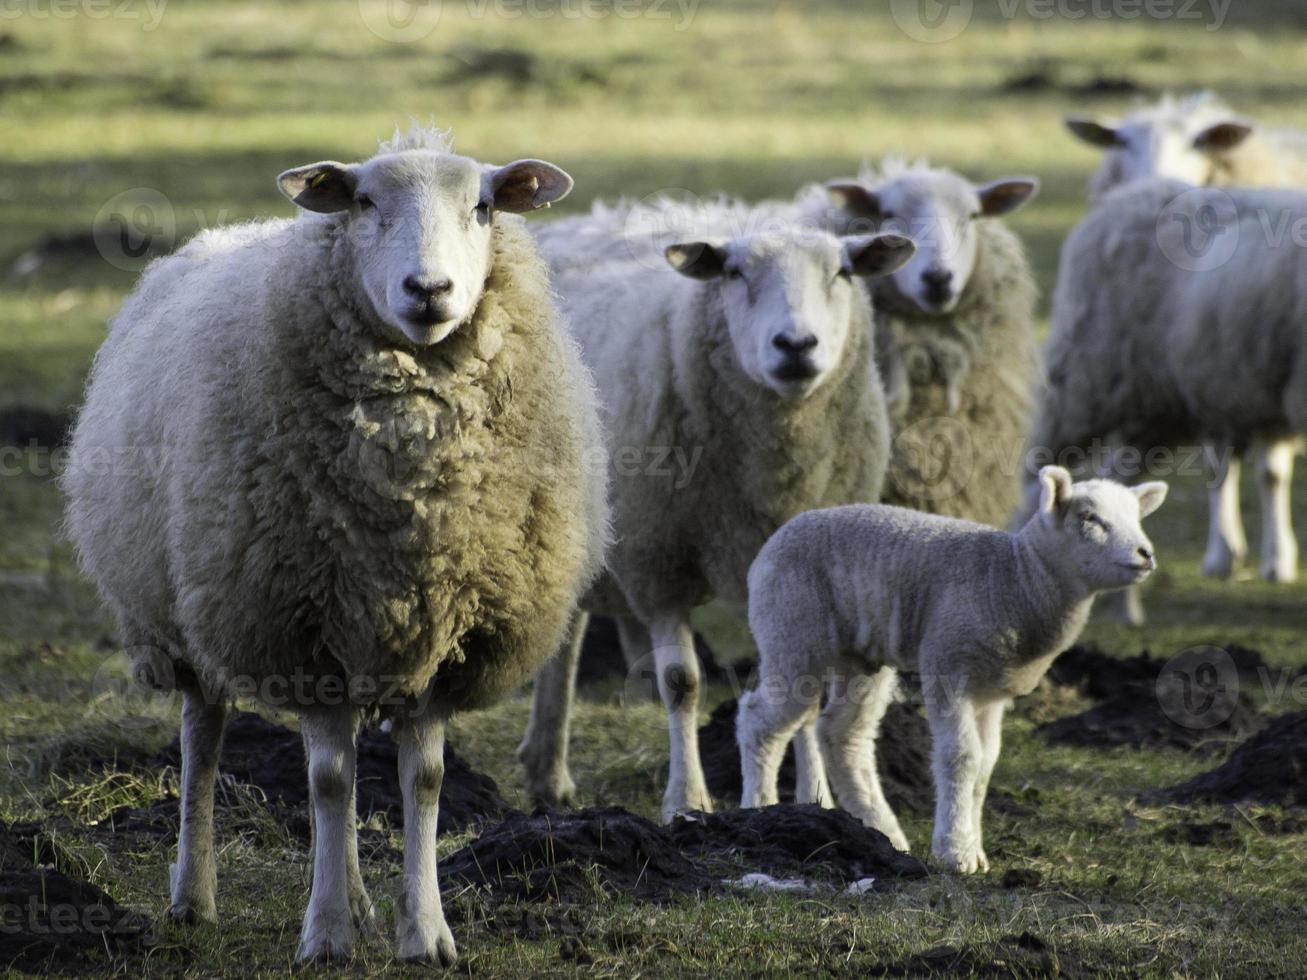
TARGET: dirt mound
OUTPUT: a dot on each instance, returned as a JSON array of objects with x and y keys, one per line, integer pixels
[
  {"x": 53, "y": 923},
  {"x": 791, "y": 839},
  {"x": 1024, "y": 955},
  {"x": 902, "y": 758},
  {"x": 602, "y": 658},
  {"x": 1101, "y": 675},
  {"x": 564, "y": 857},
  {"x": 1270, "y": 767}
]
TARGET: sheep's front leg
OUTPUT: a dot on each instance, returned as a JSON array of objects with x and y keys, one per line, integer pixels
[
  {"x": 958, "y": 754},
  {"x": 543, "y": 750},
  {"x": 677, "y": 668},
  {"x": 1279, "y": 546},
  {"x": 195, "y": 875},
  {"x": 328, "y": 931},
  {"x": 989, "y": 725},
  {"x": 1226, "y": 543},
  {"x": 422, "y": 932},
  {"x": 810, "y": 783}
]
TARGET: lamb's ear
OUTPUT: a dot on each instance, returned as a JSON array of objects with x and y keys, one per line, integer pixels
[
  {"x": 876, "y": 255},
  {"x": 1150, "y": 496},
  {"x": 853, "y": 197},
  {"x": 1006, "y": 195},
  {"x": 1093, "y": 132},
  {"x": 1223, "y": 136},
  {"x": 324, "y": 187},
  {"x": 525, "y": 185},
  {"x": 1054, "y": 490},
  {"x": 697, "y": 260}
]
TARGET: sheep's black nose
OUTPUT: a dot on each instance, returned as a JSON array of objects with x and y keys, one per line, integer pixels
[
  {"x": 937, "y": 278},
  {"x": 420, "y": 287},
  {"x": 1145, "y": 553},
  {"x": 793, "y": 345}
]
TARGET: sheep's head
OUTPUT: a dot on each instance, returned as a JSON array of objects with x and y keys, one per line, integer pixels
[
  {"x": 420, "y": 225},
  {"x": 1182, "y": 140},
  {"x": 938, "y": 210},
  {"x": 1095, "y": 525},
  {"x": 788, "y": 297}
]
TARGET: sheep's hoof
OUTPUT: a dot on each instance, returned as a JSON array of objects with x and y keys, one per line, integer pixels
[
  {"x": 675, "y": 804},
  {"x": 192, "y": 912},
  {"x": 326, "y": 938},
  {"x": 1285, "y": 573},
  {"x": 363, "y": 913},
  {"x": 963, "y": 861},
  {"x": 428, "y": 946},
  {"x": 1220, "y": 564}
]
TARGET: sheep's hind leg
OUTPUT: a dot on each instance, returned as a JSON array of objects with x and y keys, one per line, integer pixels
[
  {"x": 543, "y": 749},
  {"x": 1279, "y": 546},
  {"x": 810, "y": 783},
  {"x": 1226, "y": 542},
  {"x": 194, "y": 877},
  {"x": 989, "y": 725},
  {"x": 677, "y": 667},
  {"x": 958, "y": 752},
  {"x": 764, "y": 725},
  {"x": 421, "y": 929}
]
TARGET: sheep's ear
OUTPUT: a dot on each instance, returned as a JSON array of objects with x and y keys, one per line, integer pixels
[
  {"x": 876, "y": 255},
  {"x": 324, "y": 187},
  {"x": 1150, "y": 496},
  {"x": 698, "y": 260},
  {"x": 1223, "y": 136},
  {"x": 1054, "y": 490},
  {"x": 1093, "y": 132},
  {"x": 853, "y": 197},
  {"x": 1006, "y": 195},
  {"x": 525, "y": 185}
]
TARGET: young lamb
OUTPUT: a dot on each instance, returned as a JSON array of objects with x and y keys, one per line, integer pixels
[
  {"x": 738, "y": 383},
  {"x": 843, "y": 598},
  {"x": 1201, "y": 141},
  {"x": 374, "y": 489},
  {"x": 955, "y": 331}
]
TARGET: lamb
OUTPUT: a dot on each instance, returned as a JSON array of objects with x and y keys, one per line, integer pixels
[
  {"x": 1200, "y": 141},
  {"x": 374, "y": 489},
  {"x": 955, "y": 330},
  {"x": 749, "y": 361},
  {"x": 1200, "y": 335},
  {"x": 843, "y": 598}
]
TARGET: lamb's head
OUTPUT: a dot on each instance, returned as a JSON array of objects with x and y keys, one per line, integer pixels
[
  {"x": 419, "y": 222},
  {"x": 788, "y": 297},
  {"x": 1094, "y": 526},
  {"x": 1181, "y": 139},
  {"x": 937, "y": 209}
]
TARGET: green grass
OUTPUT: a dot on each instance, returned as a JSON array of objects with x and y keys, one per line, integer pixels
[{"x": 753, "y": 97}]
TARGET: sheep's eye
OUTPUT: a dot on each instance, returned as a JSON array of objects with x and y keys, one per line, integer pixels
[
  {"x": 482, "y": 209},
  {"x": 366, "y": 203},
  {"x": 734, "y": 272}
]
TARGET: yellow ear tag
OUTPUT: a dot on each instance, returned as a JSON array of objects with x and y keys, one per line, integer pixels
[{"x": 318, "y": 178}]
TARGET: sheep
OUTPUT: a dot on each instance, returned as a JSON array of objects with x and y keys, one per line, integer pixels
[
  {"x": 843, "y": 598},
  {"x": 1201, "y": 141},
  {"x": 955, "y": 327},
  {"x": 377, "y": 489},
  {"x": 1200, "y": 334},
  {"x": 738, "y": 383}
]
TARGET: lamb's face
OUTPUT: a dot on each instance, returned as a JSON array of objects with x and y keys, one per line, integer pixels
[
  {"x": 420, "y": 225},
  {"x": 788, "y": 298},
  {"x": 1097, "y": 524},
  {"x": 938, "y": 210}
]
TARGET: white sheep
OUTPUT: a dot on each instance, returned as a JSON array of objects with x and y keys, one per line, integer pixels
[
  {"x": 374, "y": 489},
  {"x": 739, "y": 388},
  {"x": 1201, "y": 141},
  {"x": 955, "y": 331},
  {"x": 1201, "y": 333},
  {"x": 841, "y": 599}
]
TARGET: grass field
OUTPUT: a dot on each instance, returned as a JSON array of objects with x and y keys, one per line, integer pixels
[{"x": 203, "y": 103}]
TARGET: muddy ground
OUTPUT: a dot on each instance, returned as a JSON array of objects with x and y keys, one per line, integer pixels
[{"x": 1271, "y": 767}]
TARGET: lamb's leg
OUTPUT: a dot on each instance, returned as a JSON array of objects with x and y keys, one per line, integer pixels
[
  {"x": 848, "y": 727},
  {"x": 1226, "y": 543},
  {"x": 989, "y": 725},
  {"x": 543, "y": 750},
  {"x": 195, "y": 875},
  {"x": 957, "y": 764},
  {"x": 362, "y": 911},
  {"x": 420, "y": 923},
  {"x": 810, "y": 784},
  {"x": 764, "y": 725},
  {"x": 1279, "y": 546},
  {"x": 677, "y": 667},
  {"x": 328, "y": 931}
]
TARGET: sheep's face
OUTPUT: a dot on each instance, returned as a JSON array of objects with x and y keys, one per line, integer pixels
[
  {"x": 420, "y": 225},
  {"x": 938, "y": 210},
  {"x": 787, "y": 298},
  {"x": 1097, "y": 526},
  {"x": 1162, "y": 142}
]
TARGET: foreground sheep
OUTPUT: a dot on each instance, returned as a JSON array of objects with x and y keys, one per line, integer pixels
[
  {"x": 374, "y": 489},
  {"x": 739, "y": 388},
  {"x": 1200, "y": 141},
  {"x": 843, "y": 598},
  {"x": 1201, "y": 333},
  {"x": 955, "y": 331}
]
